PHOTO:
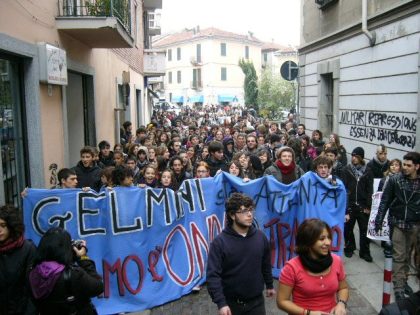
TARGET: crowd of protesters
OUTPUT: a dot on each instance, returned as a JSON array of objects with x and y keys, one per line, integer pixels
[{"x": 173, "y": 148}]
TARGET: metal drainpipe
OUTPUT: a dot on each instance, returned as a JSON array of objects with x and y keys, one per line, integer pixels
[{"x": 370, "y": 35}]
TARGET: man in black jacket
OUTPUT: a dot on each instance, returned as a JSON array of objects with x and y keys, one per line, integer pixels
[
  {"x": 86, "y": 170},
  {"x": 216, "y": 161},
  {"x": 379, "y": 164},
  {"x": 402, "y": 197},
  {"x": 239, "y": 262},
  {"x": 358, "y": 180}
]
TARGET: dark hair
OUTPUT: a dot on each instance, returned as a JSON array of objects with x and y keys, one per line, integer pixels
[
  {"x": 104, "y": 144},
  {"x": 274, "y": 138},
  {"x": 120, "y": 173},
  {"x": 303, "y": 125},
  {"x": 107, "y": 172},
  {"x": 234, "y": 203},
  {"x": 322, "y": 160},
  {"x": 87, "y": 150},
  {"x": 141, "y": 130},
  {"x": 308, "y": 234},
  {"x": 215, "y": 146},
  {"x": 318, "y": 132},
  {"x": 331, "y": 150},
  {"x": 13, "y": 219},
  {"x": 238, "y": 165},
  {"x": 173, "y": 159},
  {"x": 127, "y": 124},
  {"x": 412, "y": 156},
  {"x": 64, "y": 173},
  {"x": 55, "y": 245}
]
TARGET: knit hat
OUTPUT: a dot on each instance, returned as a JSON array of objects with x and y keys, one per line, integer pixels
[
  {"x": 145, "y": 150},
  {"x": 359, "y": 151}
]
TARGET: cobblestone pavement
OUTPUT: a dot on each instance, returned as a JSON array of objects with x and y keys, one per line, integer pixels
[{"x": 201, "y": 304}]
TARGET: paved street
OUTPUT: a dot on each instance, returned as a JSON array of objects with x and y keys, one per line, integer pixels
[{"x": 364, "y": 279}]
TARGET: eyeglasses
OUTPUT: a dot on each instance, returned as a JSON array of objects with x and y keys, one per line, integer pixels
[{"x": 250, "y": 210}]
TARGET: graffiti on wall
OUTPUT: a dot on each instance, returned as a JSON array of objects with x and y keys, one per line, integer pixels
[{"x": 393, "y": 129}]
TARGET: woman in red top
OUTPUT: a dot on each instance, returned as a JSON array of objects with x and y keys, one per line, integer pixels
[{"x": 315, "y": 278}]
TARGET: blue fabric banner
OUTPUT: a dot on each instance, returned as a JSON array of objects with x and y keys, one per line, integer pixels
[{"x": 151, "y": 245}]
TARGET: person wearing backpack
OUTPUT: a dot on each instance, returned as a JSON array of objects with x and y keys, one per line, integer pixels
[{"x": 63, "y": 279}]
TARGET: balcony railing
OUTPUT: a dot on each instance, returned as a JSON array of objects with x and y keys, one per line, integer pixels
[{"x": 119, "y": 9}]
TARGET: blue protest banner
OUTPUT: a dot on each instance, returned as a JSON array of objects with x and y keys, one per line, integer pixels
[{"x": 151, "y": 245}]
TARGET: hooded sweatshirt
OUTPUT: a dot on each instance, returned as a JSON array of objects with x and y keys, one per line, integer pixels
[
  {"x": 238, "y": 266},
  {"x": 44, "y": 277}
]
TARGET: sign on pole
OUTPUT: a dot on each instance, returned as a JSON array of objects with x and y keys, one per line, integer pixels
[{"x": 289, "y": 70}]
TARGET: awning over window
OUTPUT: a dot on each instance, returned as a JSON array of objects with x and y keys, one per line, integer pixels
[
  {"x": 225, "y": 98},
  {"x": 154, "y": 94},
  {"x": 177, "y": 99},
  {"x": 196, "y": 99}
]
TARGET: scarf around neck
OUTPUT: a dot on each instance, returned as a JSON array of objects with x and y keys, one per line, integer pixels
[
  {"x": 358, "y": 170},
  {"x": 316, "y": 265},
  {"x": 286, "y": 169},
  {"x": 12, "y": 244}
]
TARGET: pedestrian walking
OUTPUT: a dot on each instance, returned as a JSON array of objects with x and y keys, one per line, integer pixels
[
  {"x": 239, "y": 262},
  {"x": 358, "y": 180},
  {"x": 402, "y": 197},
  {"x": 316, "y": 277}
]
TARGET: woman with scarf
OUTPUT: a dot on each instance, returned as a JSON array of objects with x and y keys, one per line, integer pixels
[
  {"x": 316, "y": 277},
  {"x": 284, "y": 169},
  {"x": 64, "y": 279},
  {"x": 16, "y": 257}
]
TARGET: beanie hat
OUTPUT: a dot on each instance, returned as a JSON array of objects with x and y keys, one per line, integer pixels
[{"x": 359, "y": 151}]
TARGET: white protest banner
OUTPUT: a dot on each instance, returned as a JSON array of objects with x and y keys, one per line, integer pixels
[{"x": 383, "y": 235}]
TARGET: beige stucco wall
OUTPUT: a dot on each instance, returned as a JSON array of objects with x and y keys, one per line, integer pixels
[{"x": 35, "y": 22}]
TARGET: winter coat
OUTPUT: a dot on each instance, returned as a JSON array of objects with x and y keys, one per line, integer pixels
[
  {"x": 83, "y": 283},
  {"x": 378, "y": 169},
  {"x": 216, "y": 165},
  {"x": 359, "y": 191},
  {"x": 14, "y": 292},
  {"x": 403, "y": 203},
  {"x": 88, "y": 176},
  {"x": 276, "y": 172}
]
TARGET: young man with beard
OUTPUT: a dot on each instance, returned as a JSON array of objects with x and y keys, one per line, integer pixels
[
  {"x": 86, "y": 170},
  {"x": 402, "y": 197},
  {"x": 358, "y": 180},
  {"x": 239, "y": 262}
]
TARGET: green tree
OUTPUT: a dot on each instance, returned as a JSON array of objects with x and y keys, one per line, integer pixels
[
  {"x": 274, "y": 95},
  {"x": 250, "y": 83}
]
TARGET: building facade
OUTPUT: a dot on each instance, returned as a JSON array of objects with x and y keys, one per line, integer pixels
[
  {"x": 71, "y": 72},
  {"x": 202, "y": 65},
  {"x": 274, "y": 55},
  {"x": 359, "y": 72}
]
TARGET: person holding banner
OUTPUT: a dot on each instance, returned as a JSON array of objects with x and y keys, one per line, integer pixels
[
  {"x": 316, "y": 277},
  {"x": 64, "y": 279},
  {"x": 239, "y": 262},
  {"x": 16, "y": 257},
  {"x": 402, "y": 197}
]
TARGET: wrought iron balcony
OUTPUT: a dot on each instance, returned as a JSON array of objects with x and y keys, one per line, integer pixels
[{"x": 97, "y": 23}]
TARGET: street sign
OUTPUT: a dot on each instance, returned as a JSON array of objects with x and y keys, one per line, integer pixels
[{"x": 289, "y": 70}]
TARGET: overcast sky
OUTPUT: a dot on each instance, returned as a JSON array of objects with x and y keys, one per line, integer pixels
[{"x": 267, "y": 19}]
